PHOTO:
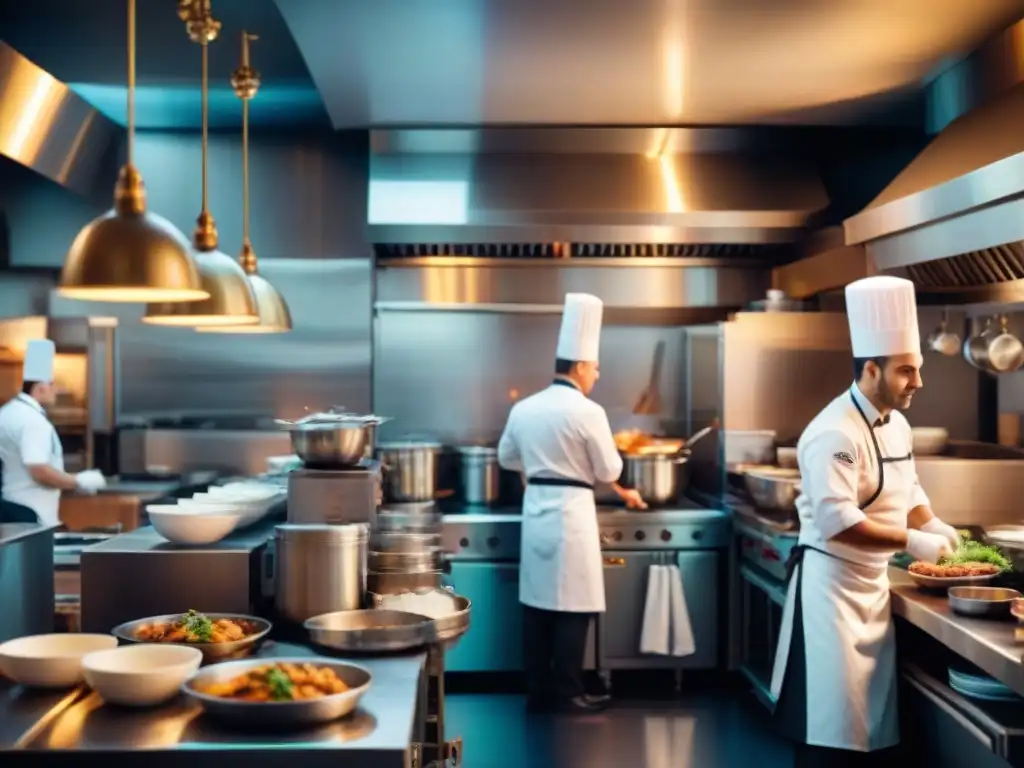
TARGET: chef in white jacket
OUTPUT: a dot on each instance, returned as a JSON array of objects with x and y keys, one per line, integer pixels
[
  {"x": 32, "y": 475},
  {"x": 562, "y": 443},
  {"x": 835, "y": 669}
]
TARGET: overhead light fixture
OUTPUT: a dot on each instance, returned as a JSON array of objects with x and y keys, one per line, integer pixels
[
  {"x": 128, "y": 254},
  {"x": 271, "y": 307},
  {"x": 231, "y": 300}
]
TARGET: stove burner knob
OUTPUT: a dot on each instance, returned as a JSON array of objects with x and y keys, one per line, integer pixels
[
  {"x": 640, "y": 536},
  {"x": 606, "y": 538},
  {"x": 617, "y": 535},
  {"x": 698, "y": 535},
  {"x": 666, "y": 535},
  {"x": 463, "y": 543},
  {"x": 493, "y": 542}
]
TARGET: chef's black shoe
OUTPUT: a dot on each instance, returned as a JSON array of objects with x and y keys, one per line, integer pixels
[{"x": 579, "y": 705}]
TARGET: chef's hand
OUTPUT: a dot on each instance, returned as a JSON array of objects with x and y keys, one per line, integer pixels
[
  {"x": 632, "y": 498},
  {"x": 90, "y": 481},
  {"x": 948, "y": 531},
  {"x": 927, "y": 547}
]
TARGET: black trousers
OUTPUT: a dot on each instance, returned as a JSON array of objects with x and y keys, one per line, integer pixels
[
  {"x": 822, "y": 757},
  {"x": 554, "y": 645},
  {"x": 16, "y": 513}
]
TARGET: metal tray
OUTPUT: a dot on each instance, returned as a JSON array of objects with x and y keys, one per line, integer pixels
[
  {"x": 445, "y": 629},
  {"x": 370, "y": 630},
  {"x": 279, "y": 713},
  {"x": 211, "y": 651},
  {"x": 982, "y": 601},
  {"x": 944, "y": 582}
]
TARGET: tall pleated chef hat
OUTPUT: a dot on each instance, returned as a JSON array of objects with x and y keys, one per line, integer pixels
[
  {"x": 38, "y": 364},
  {"x": 580, "y": 335},
  {"x": 883, "y": 317}
]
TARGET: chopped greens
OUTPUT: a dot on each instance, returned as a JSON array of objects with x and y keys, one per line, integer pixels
[
  {"x": 281, "y": 687},
  {"x": 198, "y": 627},
  {"x": 971, "y": 551}
]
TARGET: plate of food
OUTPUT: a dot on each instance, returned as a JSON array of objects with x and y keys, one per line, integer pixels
[
  {"x": 306, "y": 691},
  {"x": 972, "y": 564},
  {"x": 219, "y": 636}
]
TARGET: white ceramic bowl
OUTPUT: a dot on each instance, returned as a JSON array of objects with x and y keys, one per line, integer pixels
[
  {"x": 250, "y": 511},
  {"x": 50, "y": 661},
  {"x": 244, "y": 491},
  {"x": 196, "y": 525},
  {"x": 140, "y": 675}
]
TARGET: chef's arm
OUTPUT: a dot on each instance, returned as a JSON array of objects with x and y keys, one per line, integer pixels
[
  {"x": 508, "y": 449},
  {"x": 601, "y": 449},
  {"x": 49, "y": 477}
]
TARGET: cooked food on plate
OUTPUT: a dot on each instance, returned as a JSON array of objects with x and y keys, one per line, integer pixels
[
  {"x": 279, "y": 682},
  {"x": 951, "y": 571},
  {"x": 637, "y": 442},
  {"x": 195, "y": 627}
]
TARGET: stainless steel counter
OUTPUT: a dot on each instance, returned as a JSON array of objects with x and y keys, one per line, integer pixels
[
  {"x": 378, "y": 734},
  {"x": 986, "y": 643},
  {"x": 11, "y": 533},
  {"x": 26, "y": 579}
]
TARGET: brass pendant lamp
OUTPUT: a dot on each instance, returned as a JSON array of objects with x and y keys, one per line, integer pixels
[
  {"x": 128, "y": 254},
  {"x": 274, "y": 316},
  {"x": 231, "y": 301}
]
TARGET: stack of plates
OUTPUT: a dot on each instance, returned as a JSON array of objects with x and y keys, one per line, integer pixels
[{"x": 980, "y": 687}]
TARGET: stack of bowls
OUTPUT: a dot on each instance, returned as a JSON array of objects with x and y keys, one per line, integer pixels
[{"x": 405, "y": 550}]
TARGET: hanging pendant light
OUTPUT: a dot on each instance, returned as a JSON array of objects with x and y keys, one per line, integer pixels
[
  {"x": 231, "y": 300},
  {"x": 129, "y": 254},
  {"x": 271, "y": 307}
]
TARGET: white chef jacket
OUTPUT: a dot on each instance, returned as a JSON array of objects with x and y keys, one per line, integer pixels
[
  {"x": 838, "y": 465},
  {"x": 560, "y": 433},
  {"x": 28, "y": 438}
]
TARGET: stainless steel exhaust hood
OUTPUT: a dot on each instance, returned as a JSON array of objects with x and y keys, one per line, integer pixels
[
  {"x": 578, "y": 185},
  {"x": 48, "y": 128},
  {"x": 953, "y": 220}
]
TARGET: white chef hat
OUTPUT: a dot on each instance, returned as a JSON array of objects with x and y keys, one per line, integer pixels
[
  {"x": 883, "y": 317},
  {"x": 580, "y": 335},
  {"x": 38, "y": 365}
]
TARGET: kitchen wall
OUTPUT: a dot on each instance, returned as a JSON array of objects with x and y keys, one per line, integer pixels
[{"x": 308, "y": 221}]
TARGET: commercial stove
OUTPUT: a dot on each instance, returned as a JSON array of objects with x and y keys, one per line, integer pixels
[{"x": 484, "y": 548}]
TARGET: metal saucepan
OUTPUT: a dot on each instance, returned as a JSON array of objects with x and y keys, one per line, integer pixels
[
  {"x": 975, "y": 349},
  {"x": 339, "y": 442},
  {"x": 772, "y": 489},
  {"x": 943, "y": 340},
  {"x": 982, "y": 601},
  {"x": 659, "y": 469},
  {"x": 410, "y": 470},
  {"x": 1005, "y": 351}
]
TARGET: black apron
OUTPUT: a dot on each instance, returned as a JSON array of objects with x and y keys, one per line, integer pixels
[
  {"x": 561, "y": 482},
  {"x": 10, "y": 511},
  {"x": 791, "y": 709}
]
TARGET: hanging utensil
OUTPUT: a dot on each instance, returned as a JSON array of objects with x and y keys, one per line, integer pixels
[
  {"x": 1005, "y": 351},
  {"x": 944, "y": 341},
  {"x": 975, "y": 348},
  {"x": 649, "y": 401}
]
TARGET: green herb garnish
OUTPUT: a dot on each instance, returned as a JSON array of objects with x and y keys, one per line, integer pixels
[
  {"x": 280, "y": 685},
  {"x": 971, "y": 551},
  {"x": 198, "y": 627}
]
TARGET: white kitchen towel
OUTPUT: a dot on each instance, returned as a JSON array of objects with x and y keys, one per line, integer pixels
[
  {"x": 654, "y": 636},
  {"x": 682, "y": 631}
]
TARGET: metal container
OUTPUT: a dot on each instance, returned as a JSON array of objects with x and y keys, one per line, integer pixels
[
  {"x": 982, "y": 601},
  {"x": 480, "y": 474},
  {"x": 303, "y": 712},
  {"x": 404, "y": 562},
  {"x": 410, "y": 470},
  {"x": 370, "y": 630},
  {"x": 319, "y": 569},
  {"x": 659, "y": 478},
  {"x": 396, "y": 583},
  {"x": 342, "y": 444},
  {"x": 773, "y": 490},
  {"x": 408, "y": 518},
  {"x": 402, "y": 542},
  {"x": 211, "y": 651}
]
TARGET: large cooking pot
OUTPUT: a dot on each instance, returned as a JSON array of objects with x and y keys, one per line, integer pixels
[
  {"x": 333, "y": 439},
  {"x": 319, "y": 569},
  {"x": 410, "y": 470},
  {"x": 659, "y": 478}
]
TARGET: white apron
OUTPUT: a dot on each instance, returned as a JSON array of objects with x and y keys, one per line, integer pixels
[
  {"x": 834, "y": 680},
  {"x": 560, "y": 567},
  {"x": 45, "y": 502}
]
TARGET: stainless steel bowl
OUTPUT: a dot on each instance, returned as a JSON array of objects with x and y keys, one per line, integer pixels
[
  {"x": 774, "y": 490},
  {"x": 278, "y": 713},
  {"x": 982, "y": 601},
  {"x": 210, "y": 651},
  {"x": 342, "y": 444},
  {"x": 370, "y": 630}
]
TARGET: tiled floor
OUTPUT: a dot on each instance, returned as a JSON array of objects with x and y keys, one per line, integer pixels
[{"x": 698, "y": 730}]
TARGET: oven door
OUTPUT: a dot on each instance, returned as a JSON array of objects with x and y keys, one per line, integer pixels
[{"x": 762, "y": 599}]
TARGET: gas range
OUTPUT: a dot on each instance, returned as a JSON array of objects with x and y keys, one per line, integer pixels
[
  {"x": 765, "y": 542},
  {"x": 496, "y": 535}
]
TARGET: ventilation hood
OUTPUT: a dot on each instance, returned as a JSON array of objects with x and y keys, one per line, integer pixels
[
  {"x": 48, "y": 128},
  {"x": 630, "y": 186},
  {"x": 953, "y": 220}
]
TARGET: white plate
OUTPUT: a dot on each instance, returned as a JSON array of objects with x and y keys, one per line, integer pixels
[{"x": 944, "y": 582}]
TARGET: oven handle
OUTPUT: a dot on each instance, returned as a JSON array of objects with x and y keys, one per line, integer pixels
[
  {"x": 983, "y": 728},
  {"x": 776, "y": 591}
]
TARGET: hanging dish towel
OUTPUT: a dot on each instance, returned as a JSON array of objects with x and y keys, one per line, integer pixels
[
  {"x": 682, "y": 631},
  {"x": 654, "y": 637}
]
